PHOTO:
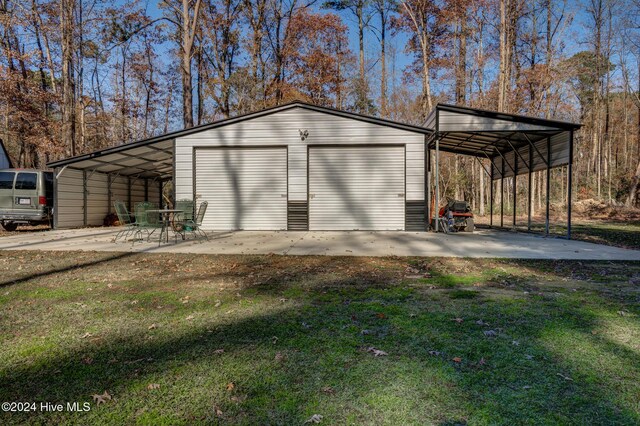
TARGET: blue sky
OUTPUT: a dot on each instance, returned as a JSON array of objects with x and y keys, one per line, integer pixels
[{"x": 574, "y": 37}]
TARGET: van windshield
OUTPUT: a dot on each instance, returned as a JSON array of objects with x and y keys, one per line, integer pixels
[
  {"x": 6, "y": 180},
  {"x": 26, "y": 181}
]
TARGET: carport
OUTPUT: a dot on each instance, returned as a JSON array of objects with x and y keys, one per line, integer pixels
[
  {"x": 87, "y": 185},
  {"x": 514, "y": 145}
]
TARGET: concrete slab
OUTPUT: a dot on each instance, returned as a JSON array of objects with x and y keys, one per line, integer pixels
[{"x": 482, "y": 243}]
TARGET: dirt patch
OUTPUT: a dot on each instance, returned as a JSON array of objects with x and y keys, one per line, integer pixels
[{"x": 594, "y": 209}]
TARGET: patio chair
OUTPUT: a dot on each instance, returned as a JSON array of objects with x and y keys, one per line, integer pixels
[
  {"x": 146, "y": 221},
  {"x": 194, "y": 225},
  {"x": 187, "y": 206},
  {"x": 125, "y": 219}
]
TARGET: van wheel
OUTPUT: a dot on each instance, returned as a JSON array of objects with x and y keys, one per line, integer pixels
[{"x": 10, "y": 226}]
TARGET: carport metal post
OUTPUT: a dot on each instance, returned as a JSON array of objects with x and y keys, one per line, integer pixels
[
  {"x": 529, "y": 191},
  {"x": 109, "y": 193},
  {"x": 515, "y": 192},
  {"x": 427, "y": 183},
  {"x": 502, "y": 194},
  {"x": 546, "y": 226},
  {"x": 129, "y": 193},
  {"x": 569, "y": 184},
  {"x": 84, "y": 198},
  {"x": 437, "y": 177},
  {"x": 491, "y": 196}
]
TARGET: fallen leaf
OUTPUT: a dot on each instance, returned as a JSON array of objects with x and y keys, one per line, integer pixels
[
  {"x": 565, "y": 377},
  {"x": 435, "y": 353},
  {"x": 377, "y": 352},
  {"x": 490, "y": 333},
  {"x": 218, "y": 303},
  {"x": 515, "y": 343},
  {"x": 458, "y": 320},
  {"x": 218, "y": 351},
  {"x": 480, "y": 322},
  {"x": 218, "y": 411},
  {"x": 381, "y": 315},
  {"x": 152, "y": 386},
  {"x": 101, "y": 399},
  {"x": 85, "y": 335},
  {"x": 87, "y": 360},
  {"x": 365, "y": 332},
  {"x": 482, "y": 361},
  {"x": 190, "y": 317},
  {"x": 328, "y": 390},
  {"x": 457, "y": 359},
  {"x": 230, "y": 386},
  {"x": 153, "y": 327},
  {"x": 529, "y": 357},
  {"x": 279, "y": 357},
  {"x": 238, "y": 399},
  {"x": 316, "y": 418}
]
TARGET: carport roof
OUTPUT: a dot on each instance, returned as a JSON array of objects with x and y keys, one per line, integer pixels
[
  {"x": 514, "y": 144},
  {"x": 153, "y": 157}
]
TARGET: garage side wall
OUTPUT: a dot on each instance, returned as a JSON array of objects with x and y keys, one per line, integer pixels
[
  {"x": 97, "y": 198},
  {"x": 284, "y": 129},
  {"x": 83, "y": 198},
  {"x": 69, "y": 199}
]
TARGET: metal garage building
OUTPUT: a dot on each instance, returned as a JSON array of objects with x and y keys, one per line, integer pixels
[
  {"x": 304, "y": 167},
  {"x": 294, "y": 167}
]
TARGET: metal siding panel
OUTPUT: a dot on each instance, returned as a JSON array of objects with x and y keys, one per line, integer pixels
[
  {"x": 452, "y": 121},
  {"x": 97, "y": 198},
  {"x": 559, "y": 155},
  {"x": 356, "y": 188},
  {"x": 297, "y": 173},
  {"x": 70, "y": 208},
  {"x": 119, "y": 191},
  {"x": 246, "y": 188}
]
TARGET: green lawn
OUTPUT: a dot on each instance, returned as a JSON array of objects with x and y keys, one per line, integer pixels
[{"x": 179, "y": 339}]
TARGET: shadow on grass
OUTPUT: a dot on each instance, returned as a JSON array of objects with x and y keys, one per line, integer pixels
[
  {"x": 106, "y": 259},
  {"x": 321, "y": 341}
]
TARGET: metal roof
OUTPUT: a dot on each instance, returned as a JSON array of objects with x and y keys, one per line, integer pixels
[
  {"x": 513, "y": 143},
  {"x": 153, "y": 157}
]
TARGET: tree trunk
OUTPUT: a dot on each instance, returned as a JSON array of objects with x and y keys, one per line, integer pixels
[
  {"x": 504, "y": 75},
  {"x": 461, "y": 66},
  {"x": 383, "y": 62},
  {"x": 189, "y": 26},
  {"x": 68, "y": 82}
]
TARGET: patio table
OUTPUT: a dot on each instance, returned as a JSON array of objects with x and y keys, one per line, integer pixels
[{"x": 166, "y": 215}]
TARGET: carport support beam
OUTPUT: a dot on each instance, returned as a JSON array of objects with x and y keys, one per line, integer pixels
[
  {"x": 529, "y": 190},
  {"x": 569, "y": 184},
  {"x": 84, "y": 198},
  {"x": 515, "y": 188},
  {"x": 437, "y": 177},
  {"x": 427, "y": 185},
  {"x": 502, "y": 196},
  {"x": 491, "y": 197},
  {"x": 546, "y": 226}
]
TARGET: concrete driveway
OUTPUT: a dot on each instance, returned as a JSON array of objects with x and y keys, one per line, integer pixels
[{"x": 482, "y": 243}]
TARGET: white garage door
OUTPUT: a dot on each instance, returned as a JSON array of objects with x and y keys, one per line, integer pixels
[
  {"x": 246, "y": 188},
  {"x": 356, "y": 188}
]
